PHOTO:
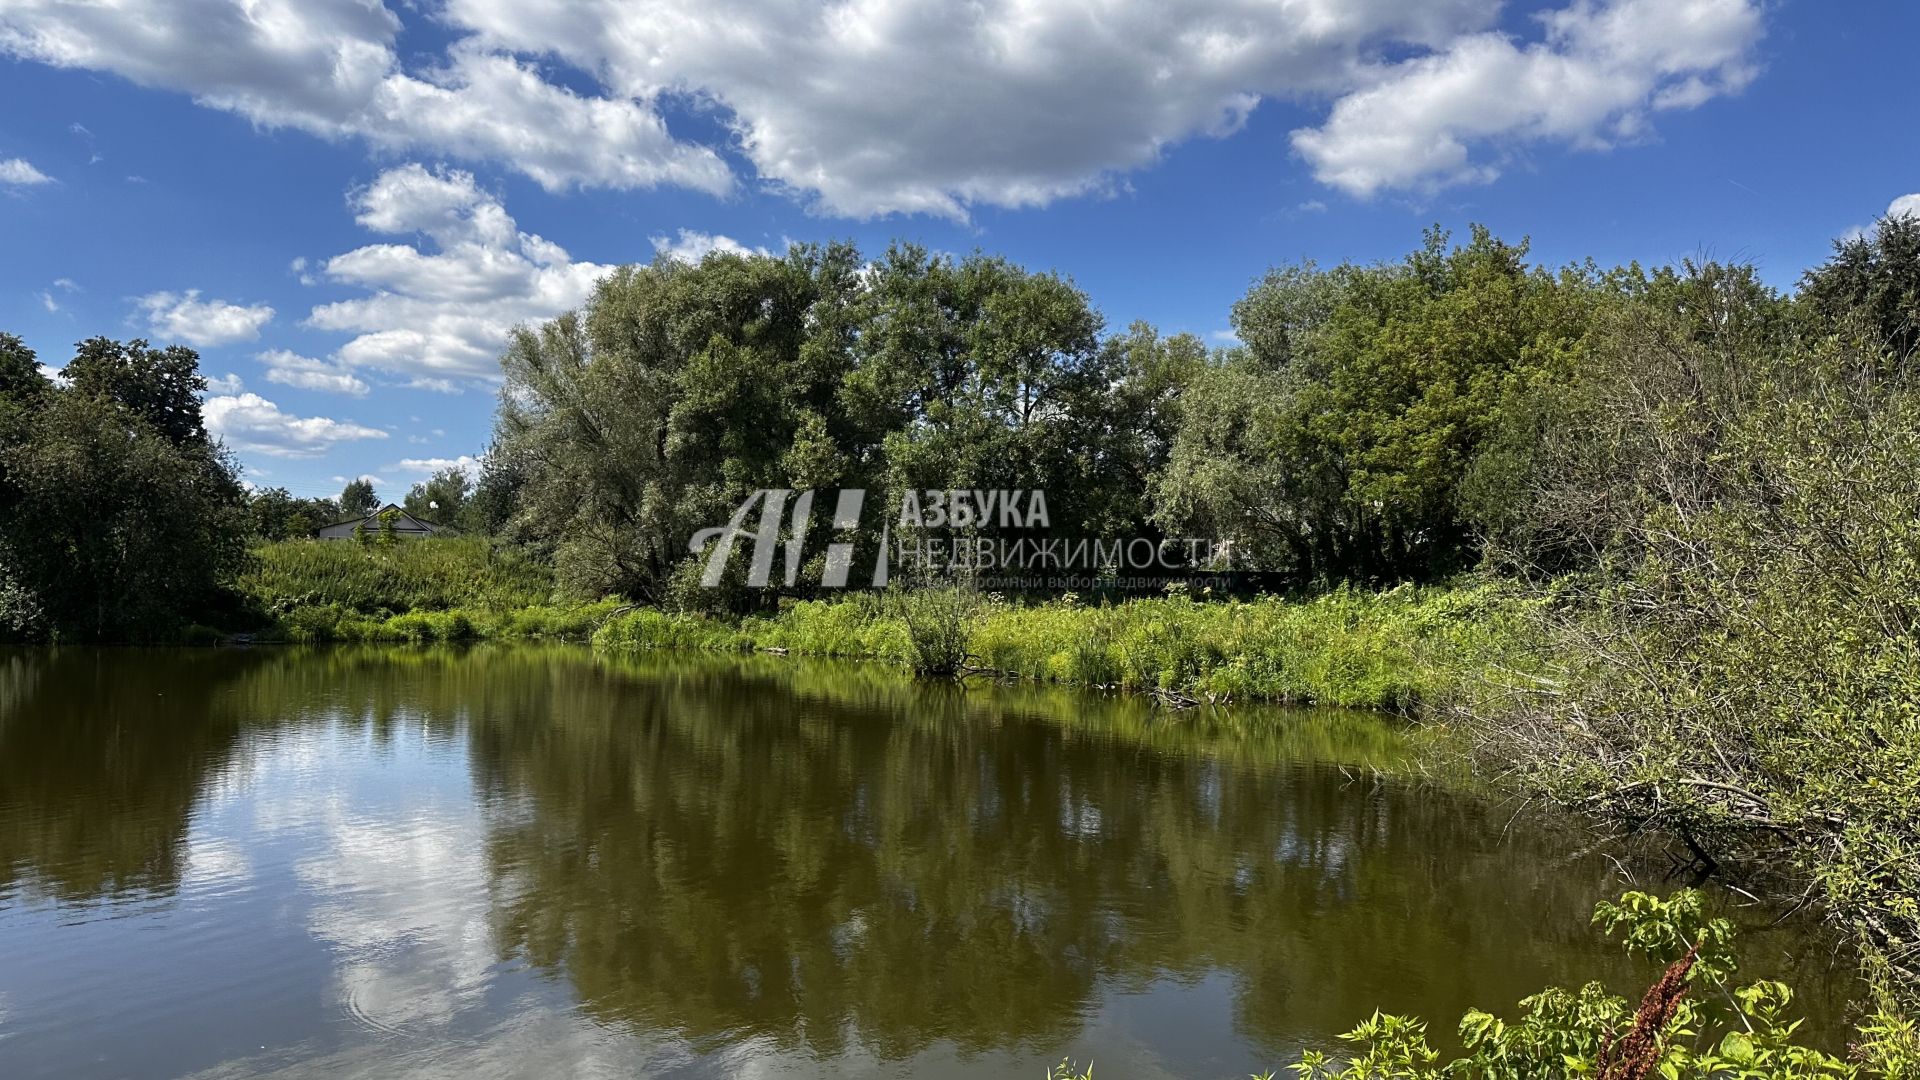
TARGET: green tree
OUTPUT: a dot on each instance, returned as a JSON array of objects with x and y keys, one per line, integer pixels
[
  {"x": 441, "y": 499},
  {"x": 976, "y": 373},
  {"x": 275, "y": 514},
  {"x": 1873, "y": 279},
  {"x": 20, "y": 378},
  {"x": 161, "y": 386},
  {"x": 358, "y": 499},
  {"x": 1584, "y": 452},
  {"x": 116, "y": 531},
  {"x": 23, "y": 392},
  {"x": 1335, "y": 443},
  {"x": 496, "y": 494},
  {"x": 677, "y": 389}
]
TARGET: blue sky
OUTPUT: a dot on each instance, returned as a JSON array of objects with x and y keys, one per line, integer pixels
[{"x": 343, "y": 206}]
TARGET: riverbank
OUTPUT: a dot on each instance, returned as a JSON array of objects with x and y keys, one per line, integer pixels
[
  {"x": 450, "y": 589},
  {"x": 1401, "y": 650},
  {"x": 1397, "y": 650}
]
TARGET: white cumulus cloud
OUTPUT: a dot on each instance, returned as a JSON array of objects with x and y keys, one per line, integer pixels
[
  {"x": 1600, "y": 71},
  {"x": 690, "y": 246},
  {"x": 1905, "y": 205},
  {"x": 19, "y": 172},
  {"x": 868, "y": 107},
  {"x": 440, "y": 306},
  {"x": 466, "y": 463},
  {"x": 306, "y": 373},
  {"x": 331, "y": 68},
  {"x": 871, "y": 107},
  {"x": 252, "y": 424},
  {"x": 186, "y": 317}
]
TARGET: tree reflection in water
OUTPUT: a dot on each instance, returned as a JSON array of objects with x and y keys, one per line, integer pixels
[{"x": 825, "y": 859}]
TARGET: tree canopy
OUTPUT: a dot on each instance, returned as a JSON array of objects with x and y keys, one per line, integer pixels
[
  {"x": 1375, "y": 423},
  {"x": 679, "y": 388},
  {"x": 119, "y": 518},
  {"x": 358, "y": 499}
]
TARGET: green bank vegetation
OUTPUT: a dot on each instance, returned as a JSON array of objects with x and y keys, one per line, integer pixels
[
  {"x": 1733, "y": 657},
  {"x": 1392, "y": 650},
  {"x": 1698, "y": 1021},
  {"x": 400, "y": 576},
  {"x": 457, "y": 588}
]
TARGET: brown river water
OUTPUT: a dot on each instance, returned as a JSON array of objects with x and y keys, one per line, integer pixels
[{"x": 546, "y": 862}]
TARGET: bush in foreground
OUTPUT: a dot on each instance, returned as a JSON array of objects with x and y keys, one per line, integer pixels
[{"x": 1696, "y": 1022}]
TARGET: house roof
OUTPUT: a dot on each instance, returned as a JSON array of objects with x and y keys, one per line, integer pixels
[{"x": 373, "y": 519}]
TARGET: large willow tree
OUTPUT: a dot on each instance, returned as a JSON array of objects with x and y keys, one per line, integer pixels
[{"x": 678, "y": 389}]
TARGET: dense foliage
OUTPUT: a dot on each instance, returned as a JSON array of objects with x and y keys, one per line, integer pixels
[
  {"x": 1370, "y": 429},
  {"x": 650, "y": 414},
  {"x": 1336, "y": 443},
  {"x": 1740, "y": 662},
  {"x": 276, "y": 514},
  {"x": 119, "y": 518},
  {"x": 441, "y": 498},
  {"x": 1392, "y": 650},
  {"x": 395, "y": 577}
]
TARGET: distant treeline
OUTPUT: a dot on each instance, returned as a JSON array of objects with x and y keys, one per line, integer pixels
[{"x": 1400, "y": 421}]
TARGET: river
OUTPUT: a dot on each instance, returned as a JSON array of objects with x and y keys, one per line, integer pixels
[{"x": 543, "y": 861}]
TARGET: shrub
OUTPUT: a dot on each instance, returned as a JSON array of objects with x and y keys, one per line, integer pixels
[
  {"x": 939, "y": 622},
  {"x": 1693, "y": 1023},
  {"x": 647, "y": 628},
  {"x": 1744, "y": 673}
]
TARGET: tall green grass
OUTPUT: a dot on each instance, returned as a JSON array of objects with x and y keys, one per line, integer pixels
[
  {"x": 1396, "y": 649},
  {"x": 334, "y": 622},
  {"x": 435, "y": 574},
  {"x": 1393, "y": 650},
  {"x": 439, "y": 589}
]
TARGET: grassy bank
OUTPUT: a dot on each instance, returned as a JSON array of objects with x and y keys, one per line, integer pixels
[
  {"x": 445, "y": 589},
  {"x": 1392, "y": 650},
  {"x": 434, "y": 575},
  {"x": 332, "y": 622}
]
